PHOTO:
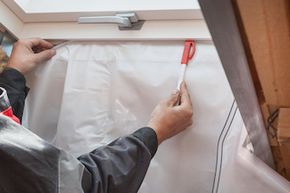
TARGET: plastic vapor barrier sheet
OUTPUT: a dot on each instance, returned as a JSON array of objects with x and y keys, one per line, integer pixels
[{"x": 91, "y": 93}]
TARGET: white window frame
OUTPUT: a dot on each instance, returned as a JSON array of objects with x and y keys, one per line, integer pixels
[{"x": 58, "y": 20}]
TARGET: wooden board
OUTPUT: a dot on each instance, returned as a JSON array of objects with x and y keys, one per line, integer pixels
[
  {"x": 266, "y": 24},
  {"x": 283, "y": 132},
  {"x": 283, "y": 135},
  {"x": 265, "y": 29}
]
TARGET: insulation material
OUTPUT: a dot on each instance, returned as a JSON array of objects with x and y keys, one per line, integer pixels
[{"x": 93, "y": 92}]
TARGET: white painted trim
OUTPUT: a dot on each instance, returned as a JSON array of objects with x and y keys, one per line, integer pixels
[
  {"x": 143, "y": 15},
  {"x": 151, "y": 30},
  {"x": 71, "y": 10},
  {"x": 10, "y": 21}
]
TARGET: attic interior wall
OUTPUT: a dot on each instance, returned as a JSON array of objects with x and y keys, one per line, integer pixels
[{"x": 266, "y": 36}]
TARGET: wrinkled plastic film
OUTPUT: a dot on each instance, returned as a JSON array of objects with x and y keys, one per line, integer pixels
[
  {"x": 103, "y": 90},
  {"x": 4, "y": 101},
  {"x": 30, "y": 164}
]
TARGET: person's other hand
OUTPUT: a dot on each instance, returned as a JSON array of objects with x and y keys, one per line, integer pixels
[
  {"x": 28, "y": 53},
  {"x": 172, "y": 116}
]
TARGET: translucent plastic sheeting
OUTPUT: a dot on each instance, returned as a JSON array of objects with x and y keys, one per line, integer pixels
[
  {"x": 93, "y": 92},
  {"x": 25, "y": 158}
]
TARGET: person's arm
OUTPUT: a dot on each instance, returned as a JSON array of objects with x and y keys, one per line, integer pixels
[
  {"x": 14, "y": 83},
  {"x": 25, "y": 56},
  {"x": 121, "y": 166}
]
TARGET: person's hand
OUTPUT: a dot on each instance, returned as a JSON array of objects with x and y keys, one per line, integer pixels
[
  {"x": 28, "y": 53},
  {"x": 172, "y": 115}
]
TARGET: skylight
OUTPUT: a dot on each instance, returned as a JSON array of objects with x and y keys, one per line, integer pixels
[{"x": 40, "y": 6}]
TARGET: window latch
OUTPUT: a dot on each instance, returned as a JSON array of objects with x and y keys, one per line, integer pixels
[{"x": 125, "y": 21}]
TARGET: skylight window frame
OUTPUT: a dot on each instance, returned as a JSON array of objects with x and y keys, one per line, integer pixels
[{"x": 173, "y": 21}]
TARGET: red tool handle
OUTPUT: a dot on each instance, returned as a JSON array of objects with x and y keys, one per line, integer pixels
[
  {"x": 9, "y": 113},
  {"x": 188, "y": 51}
]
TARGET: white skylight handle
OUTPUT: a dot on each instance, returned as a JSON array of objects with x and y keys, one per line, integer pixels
[{"x": 125, "y": 21}]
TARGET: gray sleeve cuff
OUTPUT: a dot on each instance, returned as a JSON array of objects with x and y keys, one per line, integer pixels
[{"x": 148, "y": 136}]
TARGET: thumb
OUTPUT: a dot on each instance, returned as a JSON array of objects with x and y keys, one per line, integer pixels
[
  {"x": 44, "y": 55},
  {"x": 172, "y": 100}
]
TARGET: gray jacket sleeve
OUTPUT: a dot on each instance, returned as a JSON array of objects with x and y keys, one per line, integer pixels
[
  {"x": 14, "y": 83},
  {"x": 119, "y": 167}
]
